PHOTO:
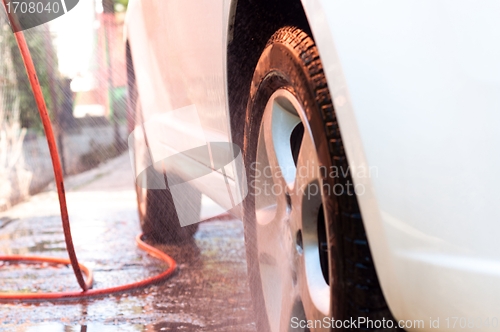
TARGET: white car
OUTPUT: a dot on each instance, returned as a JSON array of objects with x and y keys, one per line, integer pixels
[{"x": 370, "y": 138}]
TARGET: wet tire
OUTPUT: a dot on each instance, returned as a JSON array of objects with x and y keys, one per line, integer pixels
[
  {"x": 159, "y": 221},
  {"x": 157, "y": 215},
  {"x": 291, "y": 62}
]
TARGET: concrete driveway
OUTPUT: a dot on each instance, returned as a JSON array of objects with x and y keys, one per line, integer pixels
[{"x": 209, "y": 292}]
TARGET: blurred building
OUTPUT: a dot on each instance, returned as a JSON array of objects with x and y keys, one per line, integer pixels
[{"x": 91, "y": 52}]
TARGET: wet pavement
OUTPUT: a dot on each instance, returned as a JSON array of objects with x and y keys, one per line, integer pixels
[{"x": 209, "y": 291}]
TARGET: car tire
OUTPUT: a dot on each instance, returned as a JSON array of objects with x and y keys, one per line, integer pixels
[
  {"x": 157, "y": 214},
  {"x": 158, "y": 217},
  {"x": 319, "y": 242}
]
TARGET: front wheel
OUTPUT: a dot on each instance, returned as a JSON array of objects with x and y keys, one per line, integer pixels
[{"x": 307, "y": 252}]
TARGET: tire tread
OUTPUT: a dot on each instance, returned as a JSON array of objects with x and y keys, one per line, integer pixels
[{"x": 365, "y": 297}]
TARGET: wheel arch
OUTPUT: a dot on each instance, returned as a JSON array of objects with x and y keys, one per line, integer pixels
[{"x": 247, "y": 38}]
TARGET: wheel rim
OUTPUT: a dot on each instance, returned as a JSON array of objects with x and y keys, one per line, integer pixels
[{"x": 287, "y": 204}]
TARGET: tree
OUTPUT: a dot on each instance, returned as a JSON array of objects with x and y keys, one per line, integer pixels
[
  {"x": 112, "y": 6},
  {"x": 123, "y": 3},
  {"x": 39, "y": 47}
]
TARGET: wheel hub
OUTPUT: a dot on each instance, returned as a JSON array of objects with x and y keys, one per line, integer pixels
[{"x": 287, "y": 204}]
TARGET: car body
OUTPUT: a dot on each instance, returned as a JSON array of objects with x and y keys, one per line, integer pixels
[{"x": 416, "y": 89}]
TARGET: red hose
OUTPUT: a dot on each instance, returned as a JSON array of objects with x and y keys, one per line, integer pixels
[
  {"x": 91, "y": 292},
  {"x": 58, "y": 175}
]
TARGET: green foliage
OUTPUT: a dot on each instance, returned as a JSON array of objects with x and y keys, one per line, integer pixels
[
  {"x": 39, "y": 47},
  {"x": 123, "y": 3},
  {"x": 45, "y": 60}
]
